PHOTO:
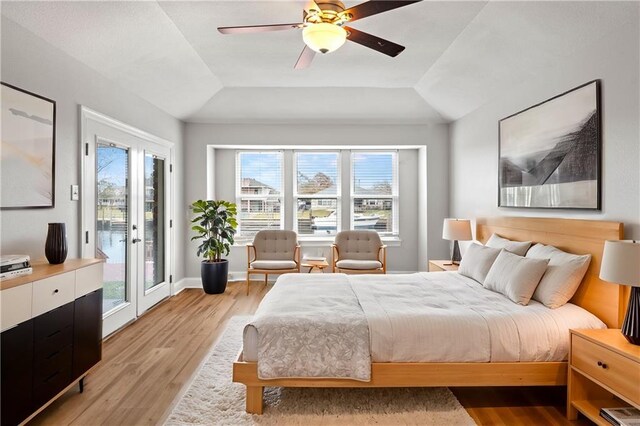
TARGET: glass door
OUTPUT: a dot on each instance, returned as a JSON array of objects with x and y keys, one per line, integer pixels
[
  {"x": 113, "y": 230},
  {"x": 126, "y": 217},
  {"x": 154, "y": 244}
]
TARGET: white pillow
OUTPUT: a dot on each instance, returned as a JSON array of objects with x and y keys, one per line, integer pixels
[
  {"x": 515, "y": 276},
  {"x": 563, "y": 277},
  {"x": 516, "y": 247},
  {"x": 477, "y": 261}
]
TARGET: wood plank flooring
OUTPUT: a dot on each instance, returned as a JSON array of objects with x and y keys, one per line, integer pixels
[{"x": 147, "y": 365}]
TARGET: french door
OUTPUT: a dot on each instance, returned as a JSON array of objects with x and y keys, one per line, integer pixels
[{"x": 126, "y": 205}]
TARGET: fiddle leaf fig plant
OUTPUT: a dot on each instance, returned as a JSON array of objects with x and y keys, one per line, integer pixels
[{"x": 215, "y": 223}]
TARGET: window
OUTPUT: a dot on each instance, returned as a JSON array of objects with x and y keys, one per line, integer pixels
[
  {"x": 374, "y": 191},
  {"x": 317, "y": 193},
  {"x": 259, "y": 191}
]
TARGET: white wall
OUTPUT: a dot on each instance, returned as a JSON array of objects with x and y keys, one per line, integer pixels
[
  {"x": 403, "y": 258},
  {"x": 31, "y": 63},
  {"x": 474, "y": 138}
]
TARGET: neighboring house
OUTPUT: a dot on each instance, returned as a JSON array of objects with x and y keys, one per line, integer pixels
[{"x": 252, "y": 186}]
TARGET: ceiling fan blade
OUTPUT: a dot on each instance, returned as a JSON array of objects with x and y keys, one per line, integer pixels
[
  {"x": 305, "y": 58},
  {"x": 258, "y": 28},
  {"x": 373, "y": 7},
  {"x": 311, "y": 5},
  {"x": 376, "y": 43}
]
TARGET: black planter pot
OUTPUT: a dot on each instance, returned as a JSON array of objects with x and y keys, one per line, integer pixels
[
  {"x": 214, "y": 276},
  {"x": 55, "y": 247}
]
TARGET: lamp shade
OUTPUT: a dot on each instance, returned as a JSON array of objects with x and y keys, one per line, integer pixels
[
  {"x": 324, "y": 37},
  {"x": 621, "y": 262},
  {"x": 457, "y": 229}
]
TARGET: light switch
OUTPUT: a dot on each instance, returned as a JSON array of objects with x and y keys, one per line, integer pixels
[{"x": 75, "y": 193}]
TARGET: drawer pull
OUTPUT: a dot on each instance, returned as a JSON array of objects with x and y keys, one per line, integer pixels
[
  {"x": 53, "y": 354},
  {"x": 603, "y": 365},
  {"x": 51, "y": 376},
  {"x": 55, "y": 291},
  {"x": 54, "y": 333}
]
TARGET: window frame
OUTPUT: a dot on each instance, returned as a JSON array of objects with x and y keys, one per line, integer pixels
[
  {"x": 240, "y": 196},
  {"x": 395, "y": 189},
  {"x": 297, "y": 196}
]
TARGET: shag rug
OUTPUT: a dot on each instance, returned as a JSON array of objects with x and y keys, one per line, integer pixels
[{"x": 213, "y": 399}]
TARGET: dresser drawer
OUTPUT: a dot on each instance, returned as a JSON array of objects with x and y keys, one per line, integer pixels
[
  {"x": 57, "y": 340},
  {"x": 608, "y": 367},
  {"x": 56, "y": 361},
  {"x": 52, "y": 292},
  {"x": 49, "y": 324},
  {"x": 16, "y": 305},
  {"x": 88, "y": 279},
  {"x": 47, "y": 388}
]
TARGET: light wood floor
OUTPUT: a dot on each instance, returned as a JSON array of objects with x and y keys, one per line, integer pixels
[{"x": 147, "y": 364}]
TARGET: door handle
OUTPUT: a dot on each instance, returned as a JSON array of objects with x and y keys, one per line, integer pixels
[{"x": 136, "y": 240}]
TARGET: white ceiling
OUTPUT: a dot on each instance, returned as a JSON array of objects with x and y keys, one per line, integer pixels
[{"x": 459, "y": 55}]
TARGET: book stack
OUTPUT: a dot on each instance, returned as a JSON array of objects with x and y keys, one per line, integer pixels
[
  {"x": 15, "y": 265},
  {"x": 625, "y": 416}
]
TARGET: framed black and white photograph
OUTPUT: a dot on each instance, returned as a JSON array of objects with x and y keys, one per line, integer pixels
[
  {"x": 550, "y": 153},
  {"x": 27, "y": 149}
]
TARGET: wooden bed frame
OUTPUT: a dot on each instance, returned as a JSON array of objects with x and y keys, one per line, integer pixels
[{"x": 605, "y": 300}]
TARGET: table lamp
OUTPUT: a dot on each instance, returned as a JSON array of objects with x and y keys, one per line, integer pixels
[
  {"x": 621, "y": 265},
  {"x": 456, "y": 229}
]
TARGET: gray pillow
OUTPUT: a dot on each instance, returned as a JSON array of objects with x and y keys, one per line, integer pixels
[
  {"x": 516, "y": 247},
  {"x": 477, "y": 261},
  {"x": 563, "y": 277},
  {"x": 515, "y": 276}
]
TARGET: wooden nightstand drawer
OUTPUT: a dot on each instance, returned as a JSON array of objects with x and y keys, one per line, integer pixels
[{"x": 606, "y": 366}]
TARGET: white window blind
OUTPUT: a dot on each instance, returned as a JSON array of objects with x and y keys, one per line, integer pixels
[
  {"x": 374, "y": 191},
  {"x": 259, "y": 191},
  {"x": 317, "y": 193}
]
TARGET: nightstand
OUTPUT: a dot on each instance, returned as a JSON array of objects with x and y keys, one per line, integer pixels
[
  {"x": 604, "y": 372},
  {"x": 442, "y": 265}
]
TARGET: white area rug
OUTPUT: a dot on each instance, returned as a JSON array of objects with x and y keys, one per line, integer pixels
[{"x": 213, "y": 399}]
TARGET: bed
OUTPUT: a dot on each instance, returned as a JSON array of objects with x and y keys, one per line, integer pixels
[{"x": 497, "y": 359}]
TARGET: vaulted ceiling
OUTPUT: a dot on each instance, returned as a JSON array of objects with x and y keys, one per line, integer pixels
[{"x": 459, "y": 55}]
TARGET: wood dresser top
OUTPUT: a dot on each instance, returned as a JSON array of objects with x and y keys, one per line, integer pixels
[{"x": 42, "y": 269}]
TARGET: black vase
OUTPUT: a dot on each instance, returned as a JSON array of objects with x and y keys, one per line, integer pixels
[
  {"x": 214, "y": 276},
  {"x": 56, "y": 246}
]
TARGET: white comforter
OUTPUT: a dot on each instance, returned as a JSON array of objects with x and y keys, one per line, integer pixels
[{"x": 423, "y": 317}]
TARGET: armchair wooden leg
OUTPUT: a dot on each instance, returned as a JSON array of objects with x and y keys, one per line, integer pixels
[
  {"x": 266, "y": 278},
  {"x": 254, "y": 399},
  {"x": 248, "y": 280}
]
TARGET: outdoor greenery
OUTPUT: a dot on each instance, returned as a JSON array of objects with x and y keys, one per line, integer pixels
[{"x": 215, "y": 223}]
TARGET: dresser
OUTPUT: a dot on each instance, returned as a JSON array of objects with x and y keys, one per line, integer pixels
[
  {"x": 51, "y": 323},
  {"x": 604, "y": 372}
]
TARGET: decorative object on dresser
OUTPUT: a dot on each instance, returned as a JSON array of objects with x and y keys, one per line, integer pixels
[
  {"x": 550, "y": 154},
  {"x": 55, "y": 247},
  {"x": 604, "y": 372},
  {"x": 51, "y": 324},
  {"x": 441, "y": 265},
  {"x": 456, "y": 230},
  {"x": 15, "y": 265},
  {"x": 215, "y": 223},
  {"x": 27, "y": 167},
  {"x": 621, "y": 265}
]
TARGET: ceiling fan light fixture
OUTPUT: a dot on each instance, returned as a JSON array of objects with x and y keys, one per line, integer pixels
[{"x": 324, "y": 37}]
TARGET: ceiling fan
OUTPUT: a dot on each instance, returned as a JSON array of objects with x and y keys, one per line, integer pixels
[{"x": 324, "y": 30}]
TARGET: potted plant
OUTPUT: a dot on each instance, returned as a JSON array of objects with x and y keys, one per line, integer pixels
[{"x": 215, "y": 223}]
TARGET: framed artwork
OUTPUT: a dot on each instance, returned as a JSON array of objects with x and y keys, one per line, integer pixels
[
  {"x": 27, "y": 150},
  {"x": 550, "y": 153}
]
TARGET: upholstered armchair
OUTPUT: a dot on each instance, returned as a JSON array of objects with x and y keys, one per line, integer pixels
[
  {"x": 273, "y": 252},
  {"x": 359, "y": 252}
]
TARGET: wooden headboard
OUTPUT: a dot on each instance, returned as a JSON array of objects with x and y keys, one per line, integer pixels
[{"x": 605, "y": 300}]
